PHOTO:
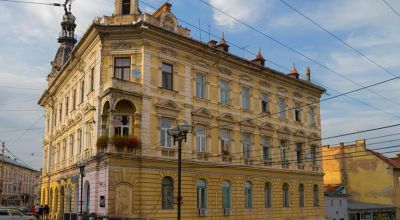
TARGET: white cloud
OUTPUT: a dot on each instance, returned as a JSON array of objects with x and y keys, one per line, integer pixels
[{"x": 249, "y": 11}]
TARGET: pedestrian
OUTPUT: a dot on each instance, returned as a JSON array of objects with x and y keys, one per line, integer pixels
[{"x": 46, "y": 212}]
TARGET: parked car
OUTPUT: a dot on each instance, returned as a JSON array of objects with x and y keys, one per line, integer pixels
[{"x": 14, "y": 214}]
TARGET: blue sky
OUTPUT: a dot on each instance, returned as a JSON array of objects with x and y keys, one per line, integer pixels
[{"x": 28, "y": 42}]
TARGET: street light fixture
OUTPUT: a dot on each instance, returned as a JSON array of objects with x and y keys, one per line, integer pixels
[{"x": 179, "y": 133}]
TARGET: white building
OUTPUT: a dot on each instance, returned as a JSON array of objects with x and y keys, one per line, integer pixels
[{"x": 336, "y": 202}]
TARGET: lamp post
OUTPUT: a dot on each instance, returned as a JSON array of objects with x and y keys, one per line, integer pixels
[
  {"x": 179, "y": 134},
  {"x": 82, "y": 172}
]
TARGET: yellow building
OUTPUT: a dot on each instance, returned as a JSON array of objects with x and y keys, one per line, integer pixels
[
  {"x": 20, "y": 183},
  {"x": 370, "y": 178},
  {"x": 131, "y": 77}
]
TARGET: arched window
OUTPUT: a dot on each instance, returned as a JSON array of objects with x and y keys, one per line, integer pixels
[
  {"x": 285, "y": 190},
  {"x": 167, "y": 193},
  {"x": 315, "y": 196},
  {"x": 248, "y": 195},
  {"x": 268, "y": 195},
  {"x": 201, "y": 194},
  {"x": 226, "y": 195},
  {"x": 86, "y": 197},
  {"x": 69, "y": 200},
  {"x": 126, "y": 7},
  {"x": 301, "y": 196}
]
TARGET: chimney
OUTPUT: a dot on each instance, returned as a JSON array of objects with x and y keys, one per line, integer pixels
[
  {"x": 398, "y": 156},
  {"x": 223, "y": 45},
  {"x": 360, "y": 144},
  {"x": 259, "y": 59},
  {"x": 293, "y": 73},
  {"x": 308, "y": 74},
  {"x": 212, "y": 43}
]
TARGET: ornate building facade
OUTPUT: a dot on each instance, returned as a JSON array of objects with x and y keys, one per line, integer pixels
[{"x": 254, "y": 146}]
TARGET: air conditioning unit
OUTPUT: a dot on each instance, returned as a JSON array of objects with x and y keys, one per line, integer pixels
[
  {"x": 227, "y": 212},
  {"x": 202, "y": 212}
]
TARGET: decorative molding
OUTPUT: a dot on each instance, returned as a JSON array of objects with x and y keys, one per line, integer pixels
[
  {"x": 168, "y": 52},
  {"x": 297, "y": 95},
  {"x": 265, "y": 84},
  {"x": 225, "y": 71},
  {"x": 245, "y": 77},
  {"x": 122, "y": 45},
  {"x": 281, "y": 89},
  {"x": 201, "y": 63},
  {"x": 168, "y": 108}
]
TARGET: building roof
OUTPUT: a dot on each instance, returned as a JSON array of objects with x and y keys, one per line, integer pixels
[
  {"x": 335, "y": 190},
  {"x": 393, "y": 162},
  {"x": 14, "y": 162},
  {"x": 357, "y": 206}
]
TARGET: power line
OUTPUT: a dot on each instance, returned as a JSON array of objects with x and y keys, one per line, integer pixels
[
  {"x": 35, "y": 3},
  {"x": 12, "y": 131},
  {"x": 338, "y": 38},
  {"x": 392, "y": 8},
  {"x": 275, "y": 63},
  {"x": 26, "y": 131},
  {"x": 298, "y": 52},
  {"x": 22, "y": 88}
]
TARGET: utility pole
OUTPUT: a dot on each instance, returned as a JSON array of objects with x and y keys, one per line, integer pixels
[{"x": 3, "y": 145}]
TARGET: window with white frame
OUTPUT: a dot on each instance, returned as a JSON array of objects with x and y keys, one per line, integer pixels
[
  {"x": 314, "y": 154},
  {"x": 264, "y": 102},
  {"x": 301, "y": 196},
  {"x": 92, "y": 80},
  {"x": 226, "y": 195},
  {"x": 165, "y": 139},
  {"x": 245, "y": 98},
  {"x": 224, "y": 133},
  {"x": 285, "y": 189},
  {"x": 268, "y": 195},
  {"x": 122, "y": 125},
  {"x": 66, "y": 106},
  {"x": 201, "y": 195},
  {"x": 200, "y": 86},
  {"x": 315, "y": 196},
  {"x": 266, "y": 147},
  {"x": 122, "y": 68},
  {"x": 73, "y": 99},
  {"x": 224, "y": 92},
  {"x": 82, "y": 91},
  {"x": 248, "y": 192},
  {"x": 246, "y": 145},
  {"x": 282, "y": 108},
  {"x": 200, "y": 132}
]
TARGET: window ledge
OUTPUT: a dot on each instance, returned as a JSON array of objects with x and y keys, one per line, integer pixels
[{"x": 167, "y": 90}]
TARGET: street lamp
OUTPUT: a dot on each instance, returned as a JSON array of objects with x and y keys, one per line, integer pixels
[
  {"x": 81, "y": 167},
  {"x": 179, "y": 133}
]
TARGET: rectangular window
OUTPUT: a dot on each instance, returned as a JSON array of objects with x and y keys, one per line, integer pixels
[
  {"x": 282, "y": 108},
  {"x": 80, "y": 141},
  {"x": 314, "y": 155},
  {"x": 71, "y": 145},
  {"x": 88, "y": 137},
  {"x": 66, "y": 106},
  {"x": 200, "y": 86},
  {"x": 122, "y": 68},
  {"x": 297, "y": 112},
  {"x": 266, "y": 148},
  {"x": 226, "y": 195},
  {"x": 264, "y": 102},
  {"x": 64, "y": 149},
  {"x": 311, "y": 115},
  {"x": 92, "y": 79},
  {"x": 224, "y": 92},
  {"x": 82, "y": 90},
  {"x": 122, "y": 125},
  {"x": 167, "y": 76},
  {"x": 283, "y": 148},
  {"x": 224, "y": 133},
  {"x": 165, "y": 139},
  {"x": 200, "y": 133},
  {"x": 245, "y": 98},
  {"x": 73, "y": 99},
  {"x": 299, "y": 152},
  {"x": 246, "y": 145},
  {"x": 60, "y": 111}
]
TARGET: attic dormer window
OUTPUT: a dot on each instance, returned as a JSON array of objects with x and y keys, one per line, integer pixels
[{"x": 126, "y": 7}]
